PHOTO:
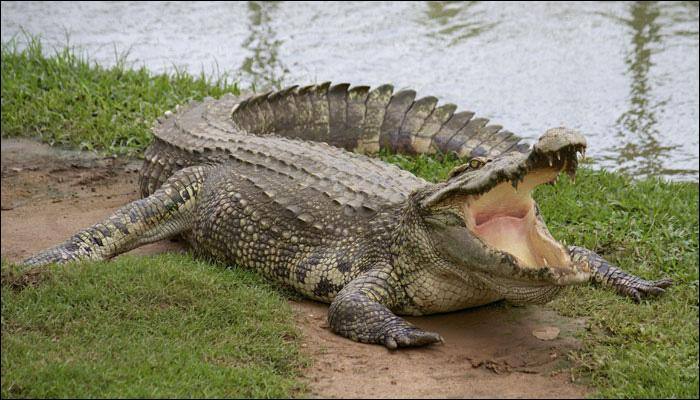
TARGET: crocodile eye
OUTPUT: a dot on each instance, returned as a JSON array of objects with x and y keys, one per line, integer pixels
[
  {"x": 474, "y": 163},
  {"x": 477, "y": 162}
]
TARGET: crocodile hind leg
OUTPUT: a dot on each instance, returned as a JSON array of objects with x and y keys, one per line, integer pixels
[
  {"x": 361, "y": 312},
  {"x": 610, "y": 275},
  {"x": 167, "y": 212}
]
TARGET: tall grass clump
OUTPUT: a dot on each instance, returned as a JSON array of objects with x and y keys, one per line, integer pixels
[{"x": 64, "y": 99}]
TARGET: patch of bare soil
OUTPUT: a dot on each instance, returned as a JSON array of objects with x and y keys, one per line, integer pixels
[
  {"x": 489, "y": 352},
  {"x": 492, "y": 351}
]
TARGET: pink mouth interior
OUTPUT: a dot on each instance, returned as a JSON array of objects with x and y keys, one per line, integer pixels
[{"x": 504, "y": 219}]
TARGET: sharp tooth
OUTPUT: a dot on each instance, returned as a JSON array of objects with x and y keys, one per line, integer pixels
[
  {"x": 551, "y": 159},
  {"x": 558, "y": 156},
  {"x": 515, "y": 182},
  {"x": 546, "y": 264}
]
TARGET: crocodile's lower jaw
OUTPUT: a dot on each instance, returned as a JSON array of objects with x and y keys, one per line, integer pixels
[{"x": 504, "y": 219}]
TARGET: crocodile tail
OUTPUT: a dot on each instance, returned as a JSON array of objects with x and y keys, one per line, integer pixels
[{"x": 366, "y": 120}]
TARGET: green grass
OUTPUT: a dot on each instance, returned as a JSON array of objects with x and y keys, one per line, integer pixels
[
  {"x": 66, "y": 100},
  {"x": 164, "y": 326},
  {"x": 649, "y": 228},
  {"x": 70, "y": 337}
]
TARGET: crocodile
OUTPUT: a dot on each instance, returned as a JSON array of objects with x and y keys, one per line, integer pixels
[{"x": 284, "y": 183}]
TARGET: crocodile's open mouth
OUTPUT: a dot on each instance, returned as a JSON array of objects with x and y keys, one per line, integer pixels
[{"x": 506, "y": 218}]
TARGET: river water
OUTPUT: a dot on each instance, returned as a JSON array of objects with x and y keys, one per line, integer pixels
[{"x": 625, "y": 74}]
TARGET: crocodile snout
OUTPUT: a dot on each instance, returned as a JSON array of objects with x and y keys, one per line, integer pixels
[{"x": 556, "y": 139}]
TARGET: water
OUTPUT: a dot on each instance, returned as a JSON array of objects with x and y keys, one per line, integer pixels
[{"x": 625, "y": 74}]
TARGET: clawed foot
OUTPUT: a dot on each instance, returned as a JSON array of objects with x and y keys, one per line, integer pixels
[
  {"x": 410, "y": 337},
  {"x": 641, "y": 288},
  {"x": 610, "y": 275}
]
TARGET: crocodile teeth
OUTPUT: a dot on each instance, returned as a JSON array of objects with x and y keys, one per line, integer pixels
[{"x": 551, "y": 160}]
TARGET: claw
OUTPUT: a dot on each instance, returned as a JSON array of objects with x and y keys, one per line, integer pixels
[
  {"x": 404, "y": 341},
  {"x": 649, "y": 289},
  {"x": 655, "y": 290},
  {"x": 411, "y": 338},
  {"x": 636, "y": 297}
]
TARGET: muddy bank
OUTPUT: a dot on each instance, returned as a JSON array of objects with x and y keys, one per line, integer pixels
[
  {"x": 49, "y": 194},
  {"x": 491, "y": 351},
  {"x": 488, "y": 352}
]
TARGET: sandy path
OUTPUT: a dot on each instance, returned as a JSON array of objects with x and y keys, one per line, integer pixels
[{"x": 491, "y": 351}]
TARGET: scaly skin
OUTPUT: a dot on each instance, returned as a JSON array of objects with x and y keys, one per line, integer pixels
[{"x": 254, "y": 187}]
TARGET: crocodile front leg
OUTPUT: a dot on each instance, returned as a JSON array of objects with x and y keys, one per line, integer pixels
[
  {"x": 361, "y": 312},
  {"x": 610, "y": 275},
  {"x": 163, "y": 214}
]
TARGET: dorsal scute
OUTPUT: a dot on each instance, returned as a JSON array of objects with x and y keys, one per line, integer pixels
[{"x": 364, "y": 120}]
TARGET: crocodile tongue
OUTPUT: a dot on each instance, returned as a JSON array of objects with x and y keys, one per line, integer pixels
[{"x": 505, "y": 219}]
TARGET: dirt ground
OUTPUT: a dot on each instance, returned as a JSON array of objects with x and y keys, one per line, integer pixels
[{"x": 491, "y": 351}]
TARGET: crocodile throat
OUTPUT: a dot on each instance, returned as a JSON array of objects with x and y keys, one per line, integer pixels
[{"x": 505, "y": 219}]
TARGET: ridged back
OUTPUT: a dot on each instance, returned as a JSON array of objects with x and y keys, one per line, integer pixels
[
  {"x": 356, "y": 119},
  {"x": 363, "y": 120}
]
